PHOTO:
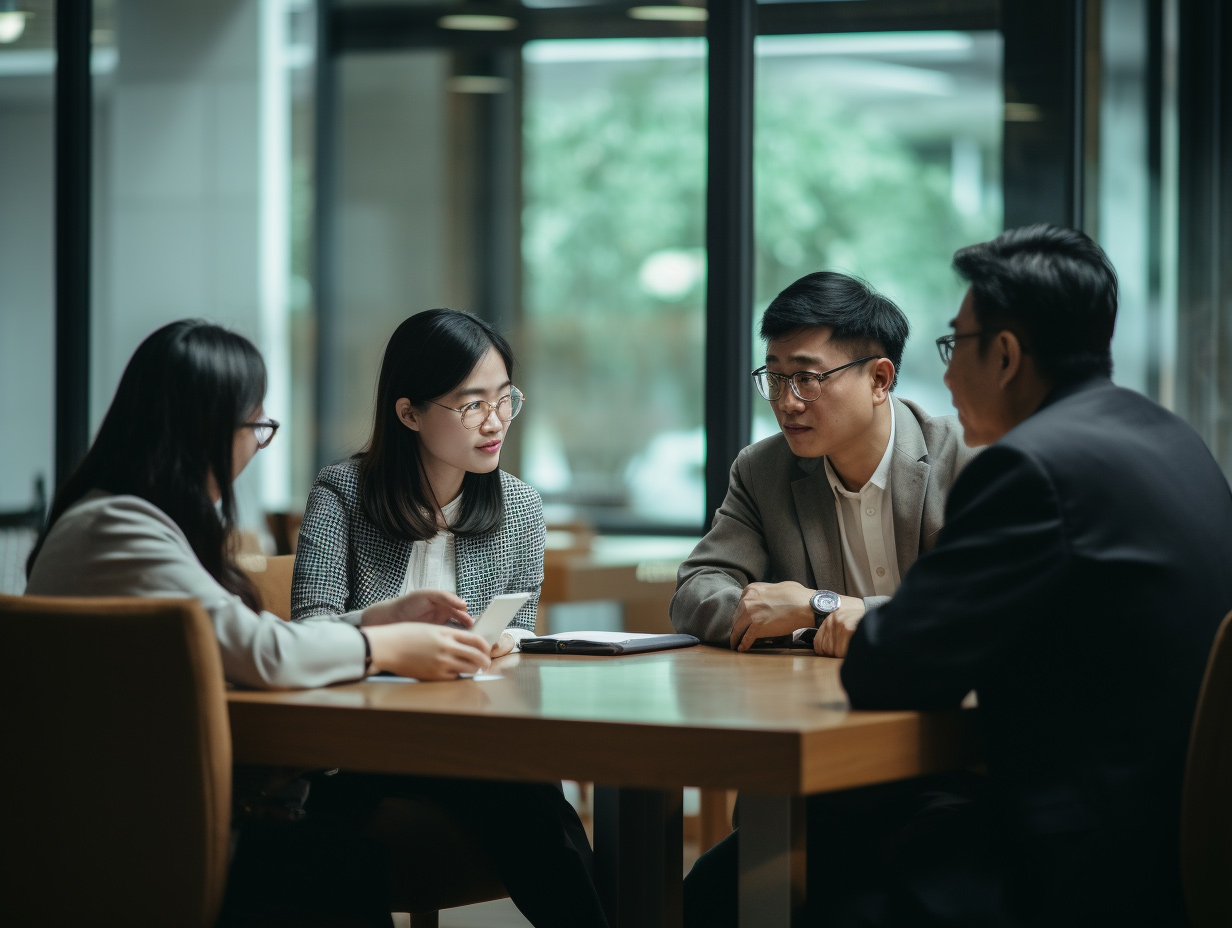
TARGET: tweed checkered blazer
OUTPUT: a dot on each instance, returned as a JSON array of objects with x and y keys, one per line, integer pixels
[{"x": 345, "y": 563}]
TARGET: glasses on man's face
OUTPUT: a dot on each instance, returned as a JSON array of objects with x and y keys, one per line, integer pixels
[
  {"x": 945, "y": 345},
  {"x": 805, "y": 385},
  {"x": 476, "y": 414},
  {"x": 263, "y": 430}
]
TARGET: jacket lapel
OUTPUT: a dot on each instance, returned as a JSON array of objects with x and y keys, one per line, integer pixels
[
  {"x": 908, "y": 485},
  {"x": 819, "y": 525},
  {"x": 477, "y": 567},
  {"x": 388, "y": 583}
]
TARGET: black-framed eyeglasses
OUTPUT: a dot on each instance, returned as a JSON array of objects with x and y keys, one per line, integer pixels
[
  {"x": 805, "y": 385},
  {"x": 263, "y": 430},
  {"x": 945, "y": 345},
  {"x": 476, "y": 414}
]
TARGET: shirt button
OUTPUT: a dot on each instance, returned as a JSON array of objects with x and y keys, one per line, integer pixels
[
  {"x": 870, "y": 511},
  {"x": 880, "y": 571}
]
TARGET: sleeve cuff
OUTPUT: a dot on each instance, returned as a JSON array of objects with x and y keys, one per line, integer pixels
[{"x": 517, "y": 634}]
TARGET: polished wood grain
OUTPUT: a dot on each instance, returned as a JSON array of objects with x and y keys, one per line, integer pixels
[{"x": 776, "y": 723}]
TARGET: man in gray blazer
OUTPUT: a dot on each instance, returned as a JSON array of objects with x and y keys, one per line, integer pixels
[{"x": 822, "y": 520}]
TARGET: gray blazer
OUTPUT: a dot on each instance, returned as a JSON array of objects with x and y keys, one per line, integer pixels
[
  {"x": 108, "y": 545},
  {"x": 778, "y": 521},
  {"x": 344, "y": 562}
]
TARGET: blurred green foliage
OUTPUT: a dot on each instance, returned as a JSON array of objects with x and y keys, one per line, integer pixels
[{"x": 615, "y": 174}]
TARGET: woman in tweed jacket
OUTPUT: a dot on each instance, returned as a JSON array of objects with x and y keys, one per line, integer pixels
[
  {"x": 344, "y": 562},
  {"x": 426, "y": 507}
]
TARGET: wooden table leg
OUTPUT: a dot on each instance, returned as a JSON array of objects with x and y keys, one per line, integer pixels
[
  {"x": 772, "y": 856},
  {"x": 639, "y": 856}
]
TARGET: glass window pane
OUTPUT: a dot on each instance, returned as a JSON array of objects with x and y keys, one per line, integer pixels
[
  {"x": 613, "y": 229},
  {"x": 27, "y": 297},
  {"x": 192, "y": 197},
  {"x": 878, "y": 155},
  {"x": 1125, "y": 212}
]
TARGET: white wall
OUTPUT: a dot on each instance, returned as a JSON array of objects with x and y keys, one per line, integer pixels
[{"x": 182, "y": 205}]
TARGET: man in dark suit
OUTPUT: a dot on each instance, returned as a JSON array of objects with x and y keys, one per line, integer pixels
[{"x": 1076, "y": 587}]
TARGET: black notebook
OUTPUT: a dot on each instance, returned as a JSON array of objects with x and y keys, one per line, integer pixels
[{"x": 604, "y": 643}]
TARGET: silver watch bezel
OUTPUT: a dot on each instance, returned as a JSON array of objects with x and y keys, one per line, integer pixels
[{"x": 819, "y": 610}]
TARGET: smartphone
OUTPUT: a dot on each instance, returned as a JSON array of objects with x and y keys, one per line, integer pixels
[{"x": 496, "y": 617}]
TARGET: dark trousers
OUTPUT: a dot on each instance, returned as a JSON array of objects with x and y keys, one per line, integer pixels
[
  {"x": 336, "y": 866},
  {"x": 912, "y": 854}
]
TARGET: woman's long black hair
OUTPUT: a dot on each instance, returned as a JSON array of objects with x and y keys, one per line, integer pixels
[
  {"x": 172, "y": 424},
  {"x": 428, "y": 355}
]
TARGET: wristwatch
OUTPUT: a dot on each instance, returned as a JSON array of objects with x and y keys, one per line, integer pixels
[{"x": 824, "y": 602}]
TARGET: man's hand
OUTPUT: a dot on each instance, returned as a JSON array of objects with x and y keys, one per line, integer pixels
[
  {"x": 838, "y": 627},
  {"x": 769, "y": 609},
  {"x": 435, "y": 607}
]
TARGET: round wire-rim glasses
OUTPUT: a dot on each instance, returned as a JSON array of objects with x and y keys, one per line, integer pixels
[
  {"x": 476, "y": 414},
  {"x": 805, "y": 385},
  {"x": 263, "y": 430}
]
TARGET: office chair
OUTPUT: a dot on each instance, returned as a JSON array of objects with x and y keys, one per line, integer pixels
[
  {"x": 1206, "y": 803},
  {"x": 118, "y": 762},
  {"x": 272, "y": 578}
]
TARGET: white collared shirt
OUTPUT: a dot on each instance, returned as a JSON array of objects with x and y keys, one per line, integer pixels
[
  {"x": 433, "y": 565},
  {"x": 866, "y": 526}
]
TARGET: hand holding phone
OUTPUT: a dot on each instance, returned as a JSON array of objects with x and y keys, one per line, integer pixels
[{"x": 497, "y": 616}]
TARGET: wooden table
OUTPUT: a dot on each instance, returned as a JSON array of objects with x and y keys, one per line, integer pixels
[{"x": 774, "y": 725}]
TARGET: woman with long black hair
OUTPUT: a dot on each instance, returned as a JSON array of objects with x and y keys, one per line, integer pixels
[
  {"x": 149, "y": 512},
  {"x": 425, "y": 506}
]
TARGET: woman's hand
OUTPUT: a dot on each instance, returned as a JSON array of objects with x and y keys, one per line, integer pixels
[
  {"x": 435, "y": 607},
  {"x": 426, "y": 652},
  {"x": 504, "y": 644}
]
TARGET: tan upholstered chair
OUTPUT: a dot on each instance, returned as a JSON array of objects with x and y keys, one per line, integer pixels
[
  {"x": 1206, "y": 805},
  {"x": 117, "y": 762},
  {"x": 436, "y": 843},
  {"x": 272, "y": 578}
]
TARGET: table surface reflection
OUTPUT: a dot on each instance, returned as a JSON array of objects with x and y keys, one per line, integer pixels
[{"x": 773, "y": 722}]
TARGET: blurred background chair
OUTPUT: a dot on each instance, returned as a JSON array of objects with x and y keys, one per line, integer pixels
[
  {"x": 18, "y": 533},
  {"x": 1206, "y": 805},
  {"x": 272, "y": 578},
  {"x": 284, "y": 529},
  {"x": 118, "y": 765}
]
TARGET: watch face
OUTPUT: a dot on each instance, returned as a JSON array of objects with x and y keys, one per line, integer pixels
[{"x": 825, "y": 601}]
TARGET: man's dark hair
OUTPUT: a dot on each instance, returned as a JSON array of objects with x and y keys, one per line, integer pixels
[
  {"x": 859, "y": 317},
  {"x": 1054, "y": 288}
]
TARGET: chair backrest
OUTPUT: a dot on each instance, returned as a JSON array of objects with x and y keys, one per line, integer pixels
[
  {"x": 1206, "y": 804},
  {"x": 118, "y": 752},
  {"x": 272, "y": 578}
]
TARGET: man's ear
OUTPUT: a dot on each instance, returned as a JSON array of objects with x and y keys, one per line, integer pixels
[
  {"x": 406, "y": 414},
  {"x": 883, "y": 380},
  {"x": 1009, "y": 354}
]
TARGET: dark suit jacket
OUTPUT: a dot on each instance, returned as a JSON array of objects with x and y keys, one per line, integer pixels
[{"x": 1076, "y": 587}]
